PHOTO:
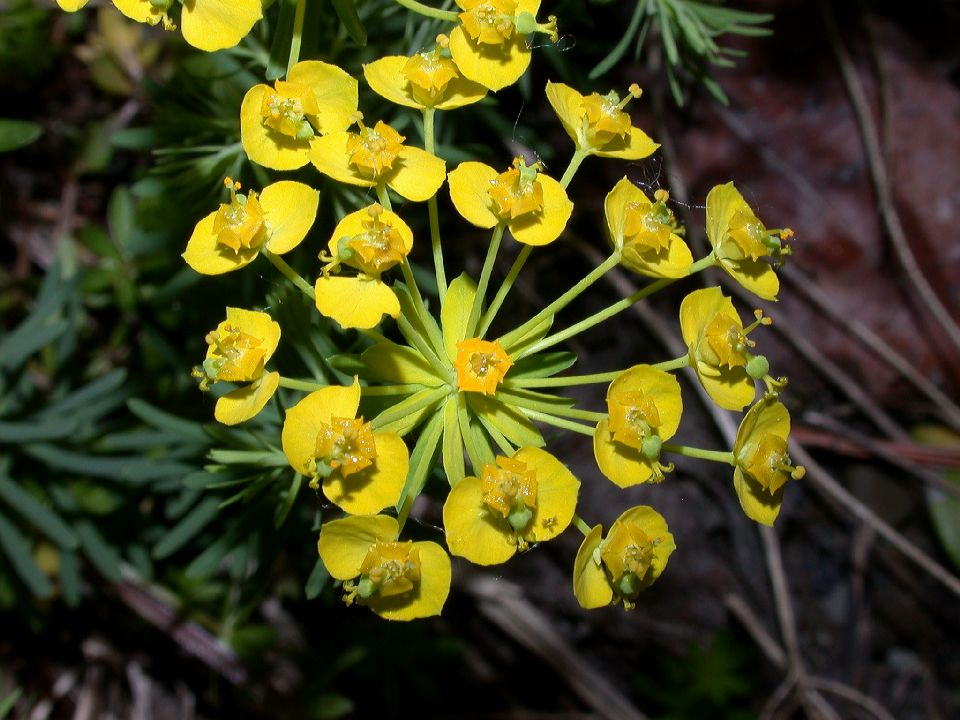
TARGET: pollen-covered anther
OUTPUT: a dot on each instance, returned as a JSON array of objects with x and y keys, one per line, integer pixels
[
  {"x": 239, "y": 224},
  {"x": 489, "y": 22},
  {"x": 374, "y": 150},
  {"x": 285, "y": 106},
  {"x": 481, "y": 365},
  {"x": 517, "y": 191},
  {"x": 389, "y": 569},
  {"x": 346, "y": 445},
  {"x": 510, "y": 490}
]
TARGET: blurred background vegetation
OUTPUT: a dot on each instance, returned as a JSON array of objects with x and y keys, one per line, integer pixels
[{"x": 153, "y": 564}]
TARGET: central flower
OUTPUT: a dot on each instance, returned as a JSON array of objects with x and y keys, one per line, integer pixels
[
  {"x": 389, "y": 569},
  {"x": 238, "y": 224},
  {"x": 373, "y": 150},
  {"x": 232, "y": 355},
  {"x": 517, "y": 191},
  {"x": 430, "y": 73},
  {"x": 379, "y": 247},
  {"x": 481, "y": 365},
  {"x": 490, "y": 22},
  {"x": 648, "y": 226},
  {"x": 345, "y": 444},
  {"x": 510, "y": 489},
  {"x": 285, "y": 106},
  {"x": 603, "y": 116},
  {"x": 628, "y": 554},
  {"x": 633, "y": 417},
  {"x": 725, "y": 342},
  {"x": 748, "y": 235}
]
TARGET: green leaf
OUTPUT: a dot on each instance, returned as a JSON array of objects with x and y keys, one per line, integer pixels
[
  {"x": 70, "y": 578},
  {"x": 331, "y": 707},
  {"x": 347, "y": 12},
  {"x": 24, "y": 432},
  {"x": 420, "y": 461},
  {"x": 37, "y": 514},
  {"x": 317, "y": 580},
  {"x": 18, "y": 551},
  {"x": 475, "y": 440},
  {"x": 8, "y": 701},
  {"x": 280, "y": 49},
  {"x": 456, "y": 312},
  {"x": 188, "y": 528},
  {"x": 613, "y": 57},
  {"x": 121, "y": 216},
  {"x": 288, "y": 501},
  {"x": 453, "y": 464},
  {"x": 542, "y": 365},
  {"x": 400, "y": 364},
  {"x": 104, "y": 558},
  {"x": 16, "y": 134},
  {"x": 165, "y": 421},
  {"x": 944, "y": 509},
  {"x": 81, "y": 399},
  {"x": 508, "y": 421}
]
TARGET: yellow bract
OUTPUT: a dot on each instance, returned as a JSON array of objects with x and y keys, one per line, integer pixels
[
  {"x": 237, "y": 351},
  {"x": 715, "y": 338},
  {"x": 632, "y": 556},
  {"x": 232, "y": 236},
  {"x": 645, "y": 232},
  {"x": 762, "y": 464},
  {"x": 396, "y": 580},
  {"x": 372, "y": 240},
  {"x": 206, "y": 24},
  {"x": 481, "y": 365},
  {"x": 644, "y": 408},
  {"x": 534, "y": 207},
  {"x": 425, "y": 80},
  {"x": 597, "y": 124},
  {"x": 527, "y": 498},
  {"x": 487, "y": 47},
  {"x": 377, "y": 157},
  {"x": 738, "y": 241},
  {"x": 278, "y": 124},
  {"x": 360, "y": 470}
]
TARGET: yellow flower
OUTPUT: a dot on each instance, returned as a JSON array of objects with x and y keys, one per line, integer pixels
[
  {"x": 720, "y": 349},
  {"x": 206, "y": 24},
  {"x": 278, "y": 219},
  {"x": 533, "y": 206},
  {"x": 741, "y": 242},
  {"x": 481, "y": 365},
  {"x": 71, "y": 5},
  {"x": 278, "y": 124},
  {"x": 360, "y": 470},
  {"x": 490, "y": 45},
  {"x": 762, "y": 463},
  {"x": 425, "y": 80},
  {"x": 397, "y": 580},
  {"x": 237, "y": 351},
  {"x": 617, "y": 568},
  {"x": 375, "y": 157},
  {"x": 524, "y": 499},
  {"x": 644, "y": 408},
  {"x": 372, "y": 241},
  {"x": 645, "y": 232},
  {"x": 597, "y": 124}
]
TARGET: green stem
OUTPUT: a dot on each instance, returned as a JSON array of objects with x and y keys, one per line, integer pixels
[
  {"x": 383, "y": 196},
  {"x": 381, "y": 390},
  {"x": 297, "y": 36},
  {"x": 421, "y": 344},
  {"x": 526, "y": 403},
  {"x": 433, "y": 332},
  {"x": 498, "y": 299},
  {"x": 429, "y": 142},
  {"x": 484, "y": 280},
  {"x": 418, "y": 7},
  {"x": 702, "y": 264},
  {"x": 413, "y": 404},
  {"x": 307, "y": 385},
  {"x": 577, "y": 158},
  {"x": 564, "y": 381},
  {"x": 597, "y": 318},
  {"x": 675, "y": 364},
  {"x": 289, "y": 273},
  {"x": 514, "y": 336},
  {"x": 559, "y": 422},
  {"x": 580, "y": 525},
  {"x": 373, "y": 336},
  {"x": 724, "y": 456}
]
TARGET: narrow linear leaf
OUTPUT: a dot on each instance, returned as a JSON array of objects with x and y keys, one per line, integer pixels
[
  {"x": 317, "y": 580},
  {"x": 184, "y": 531},
  {"x": 70, "y": 578},
  {"x": 162, "y": 420},
  {"x": 18, "y": 551},
  {"x": 37, "y": 514},
  {"x": 280, "y": 49},
  {"x": 420, "y": 460},
  {"x": 347, "y": 12},
  {"x": 82, "y": 398},
  {"x": 288, "y": 501},
  {"x": 453, "y": 464},
  {"x": 16, "y": 134},
  {"x": 104, "y": 558},
  {"x": 7, "y": 703},
  {"x": 24, "y": 432}
]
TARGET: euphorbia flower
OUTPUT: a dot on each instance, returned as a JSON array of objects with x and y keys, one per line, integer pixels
[
  {"x": 490, "y": 45},
  {"x": 617, "y": 568},
  {"x": 597, "y": 123},
  {"x": 524, "y": 499},
  {"x": 646, "y": 232},
  {"x": 644, "y": 408},
  {"x": 237, "y": 352},
  {"x": 372, "y": 241},
  {"x": 278, "y": 219},
  {"x": 397, "y": 580},
  {"x": 719, "y": 348},
  {"x": 206, "y": 24},
  {"x": 360, "y": 470},
  {"x": 377, "y": 157},
  {"x": 762, "y": 463},
  {"x": 741, "y": 242},
  {"x": 278, "y": 124},
  {"x": 481, "y": 365},
  {"x": 534, "y": 207},
  {"x": 426, "y": 80}
]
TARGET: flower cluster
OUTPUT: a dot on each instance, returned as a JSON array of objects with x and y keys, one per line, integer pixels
[{"x": 439, "y": 389}]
